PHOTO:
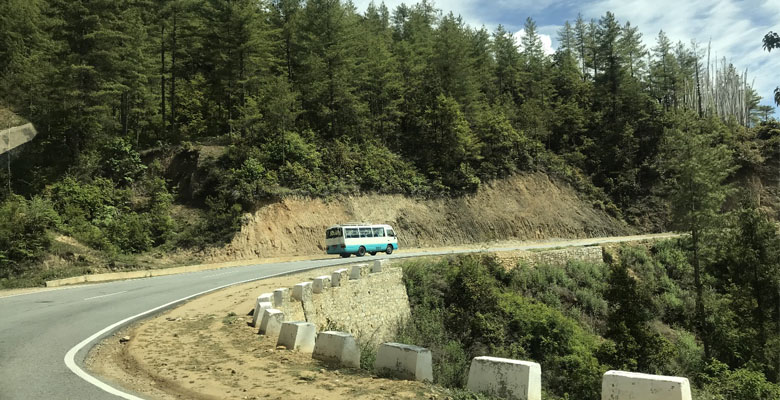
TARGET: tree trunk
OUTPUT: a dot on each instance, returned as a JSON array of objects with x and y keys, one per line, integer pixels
[
  {"x": 173, "y": 76},
  {"x": 162, "y": 76}
]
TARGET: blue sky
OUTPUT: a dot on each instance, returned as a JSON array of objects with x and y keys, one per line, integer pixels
[{"x": 735, "y": 27}]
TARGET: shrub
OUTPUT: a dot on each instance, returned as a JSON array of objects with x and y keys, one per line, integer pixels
[{"x": 24, "y": 237}]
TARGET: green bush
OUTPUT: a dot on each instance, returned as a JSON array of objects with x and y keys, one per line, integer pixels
[
  {"x": 465, "y": 307},
  {"x": 24, "y": 232}
]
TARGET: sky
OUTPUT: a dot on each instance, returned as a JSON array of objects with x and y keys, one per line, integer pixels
[{"x": 734, "y": 27}]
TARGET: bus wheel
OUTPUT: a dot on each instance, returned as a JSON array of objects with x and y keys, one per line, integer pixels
[
  {"x": 389, "y": 249},
  {"x": 345, "y": 255},
  {"x": 361, "y": 251}
]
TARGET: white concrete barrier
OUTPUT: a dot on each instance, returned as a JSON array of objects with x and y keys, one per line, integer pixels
[
  {"x": 320, "y": 284},
  {"x": 339, "y": 348},
  {"x": 271, "y": 322},
  {"x": 378, "y": 266},
  {"x": 302, "y": 291},
  {"x": 359, "y": 271},
  {"x": 280, "y": 296},
  {"x": 506, "y": 378},
  {"x": 297, "y": 336},
  {"x": 339, "y": 277},
  {"x": 404, "y": 361},
  {"x": 622, "y": 385},
  {"x": 259, "y": 307}
]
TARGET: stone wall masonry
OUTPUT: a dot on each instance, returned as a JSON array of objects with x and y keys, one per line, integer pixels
[
  {"x": 371, "y": 307},
  {"x": 510, "y": 259}
]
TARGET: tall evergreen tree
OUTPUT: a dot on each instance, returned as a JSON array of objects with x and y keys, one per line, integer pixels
[{"x": 696, "y": 167}]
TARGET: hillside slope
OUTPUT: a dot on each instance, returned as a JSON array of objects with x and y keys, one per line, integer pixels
[{"x": 529, "y": 206}]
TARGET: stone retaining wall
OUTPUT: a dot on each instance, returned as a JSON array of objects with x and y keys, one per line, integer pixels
[
  {"x": 510, "y": 259},
  {"x": 371, "y": 308}
]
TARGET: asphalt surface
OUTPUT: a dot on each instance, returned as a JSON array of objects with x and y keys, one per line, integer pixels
[{"x": 41, "y": 331}]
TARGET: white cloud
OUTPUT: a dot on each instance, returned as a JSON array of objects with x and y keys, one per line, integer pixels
[
  {"x": 546, "y": 42},
  {"x": 734, "y": 27}
]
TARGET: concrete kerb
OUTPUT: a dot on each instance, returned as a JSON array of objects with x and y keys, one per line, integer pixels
[
  {"x": 338, "y": 348},
  {"x": 280, "y": 296},
  {"x": 260, "y": 306},
  {"x": 359, "y": 271},
  {"x": 339, "y": 277},
  {"x": 302, "y": 291},
  {"x": 271, "y": 322},
  {"x": 298, "y": 336},
  {"x": 321, "y": 283},
  {"x": 506, "y": 378},
  {"x": 622, "y": 385},
  {"x": 404, "y": 361},
  {"x": 378, "y": 266}
]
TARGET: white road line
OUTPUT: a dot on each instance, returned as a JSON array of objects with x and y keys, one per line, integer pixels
[
  {"x": 105, "y": 295},
  {"x": 70, "y": 356}
]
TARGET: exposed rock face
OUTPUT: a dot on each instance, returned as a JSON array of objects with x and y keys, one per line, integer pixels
[{"x": 523, "y": 207}]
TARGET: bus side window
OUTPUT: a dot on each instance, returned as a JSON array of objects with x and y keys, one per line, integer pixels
[
  {"x": 390, "y": 233},
  {"x": 379, "y": 232},
  {"x": 352, "y": 233},
  {"x": 365, "y": 232}
]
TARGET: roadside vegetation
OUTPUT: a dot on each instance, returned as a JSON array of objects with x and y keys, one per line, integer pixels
[
  {"x": 637, "y": 312},
  {"x": 161, "y": 123}
]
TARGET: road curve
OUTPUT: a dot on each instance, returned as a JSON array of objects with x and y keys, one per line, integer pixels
[{"x": 42, "y": 331}]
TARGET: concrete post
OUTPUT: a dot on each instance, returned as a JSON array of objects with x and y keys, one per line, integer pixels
[
  {"x": 404, "y": 361},
  {"x": 302, "y": 291},
  {"x": 339, "y": 277},
  {"x": 260, "y": 305},
  {"x": 297, "y": 336},
  {"x": 378, "y": 266},
  {"x": 359, "y": 271},
  {"x": 271, "y": 323},
  {"x": 506, "y": 378},
  {"x": 622, "y": 385},
  {"x": 280, "y": 296},
  {"x": 321, "y": 283},
  {"x": 338, "y": 348}
]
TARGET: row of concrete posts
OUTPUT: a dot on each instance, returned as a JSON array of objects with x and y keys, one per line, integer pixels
[{"x": 500, "y": 377}]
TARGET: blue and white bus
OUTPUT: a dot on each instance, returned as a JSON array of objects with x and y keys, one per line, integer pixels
[{"x": 360, "y": 239}]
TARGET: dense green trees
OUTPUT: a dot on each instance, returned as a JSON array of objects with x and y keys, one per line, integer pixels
[
  {"x": 580, "y": 319},
  {"x": 462, "y": 104}
]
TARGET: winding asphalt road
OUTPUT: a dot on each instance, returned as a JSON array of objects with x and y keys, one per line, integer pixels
[{"x": 45, "y": 336}]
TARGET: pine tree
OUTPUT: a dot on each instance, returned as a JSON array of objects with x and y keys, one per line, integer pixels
[
  {"x": 696, "y": 167},
  {"x": 633, "y": 50}
]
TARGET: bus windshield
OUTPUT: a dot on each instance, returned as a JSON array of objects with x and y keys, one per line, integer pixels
[{"x": 333, "y": 233}]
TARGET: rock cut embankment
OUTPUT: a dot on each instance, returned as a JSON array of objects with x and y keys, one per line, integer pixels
[{"x": 523, "y": 207}]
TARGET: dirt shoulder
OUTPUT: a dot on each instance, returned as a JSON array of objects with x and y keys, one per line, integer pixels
[{"x": 205, "y": 349}]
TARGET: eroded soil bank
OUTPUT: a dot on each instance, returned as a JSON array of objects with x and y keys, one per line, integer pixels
[{"x": 523, "y": 207}]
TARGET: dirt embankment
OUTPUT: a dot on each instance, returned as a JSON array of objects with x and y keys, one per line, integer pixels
[{"x": 523, "y": 207}]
